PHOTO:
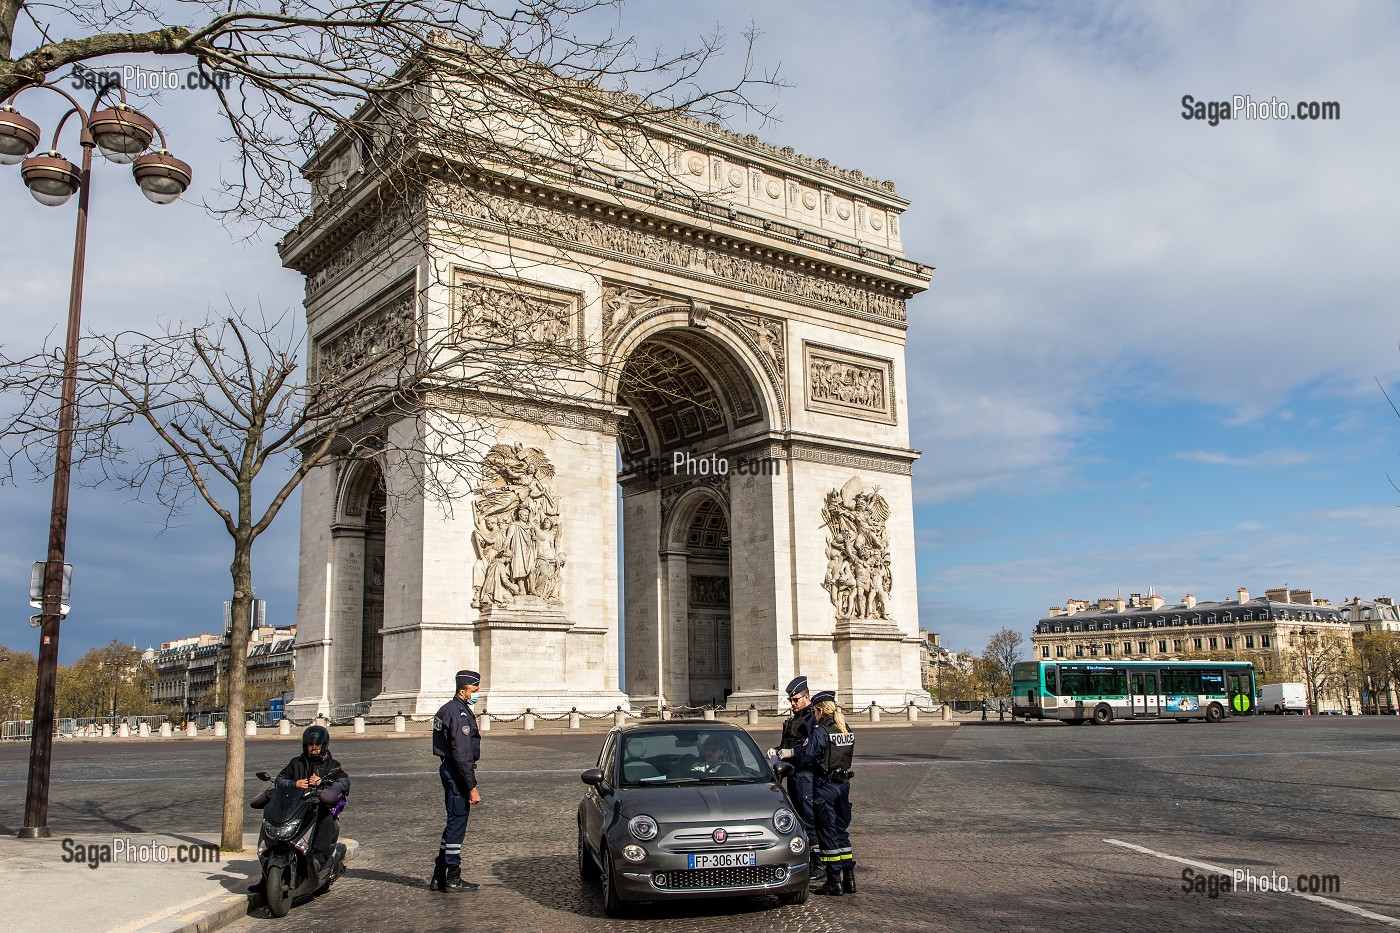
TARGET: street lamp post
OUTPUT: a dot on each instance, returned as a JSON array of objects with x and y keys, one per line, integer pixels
[{"x": 123, "y": 135}]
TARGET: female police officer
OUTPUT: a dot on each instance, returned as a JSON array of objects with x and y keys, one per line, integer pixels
[{"x": 829, "y": 751}]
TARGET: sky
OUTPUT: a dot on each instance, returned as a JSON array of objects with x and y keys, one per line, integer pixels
[{"x": 1152, "y": 353}]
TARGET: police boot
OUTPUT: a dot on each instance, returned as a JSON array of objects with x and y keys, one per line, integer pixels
[
  {"x": 832, "y": 887},
  {"x": 455, "y": 881},
  {"x": 848, "y": 879},
  {"x": 439, "y": 879}
]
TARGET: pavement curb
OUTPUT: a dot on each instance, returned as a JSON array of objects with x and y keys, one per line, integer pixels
[{"x": 219, "y": 911}]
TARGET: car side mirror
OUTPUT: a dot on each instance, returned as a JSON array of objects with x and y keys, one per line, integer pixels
[
  {"x": 263, "y": 776},
  {"x": 595, "y": 777},
  {"x": 784, "y": 769}
]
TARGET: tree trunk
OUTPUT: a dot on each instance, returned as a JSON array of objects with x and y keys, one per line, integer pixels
[{"x": 240, "y": 618}]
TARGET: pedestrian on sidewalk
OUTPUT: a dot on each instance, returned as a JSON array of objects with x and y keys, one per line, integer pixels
[{"x": 457, "y": 742}]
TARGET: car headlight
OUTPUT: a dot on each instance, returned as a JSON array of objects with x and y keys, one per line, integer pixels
[
  {"x": 642, "y": 827},
  {"x": 634, "y": 853},
  {"x": 783, "y": 820}
]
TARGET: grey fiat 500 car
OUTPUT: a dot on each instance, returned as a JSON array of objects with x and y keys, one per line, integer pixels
[{"x": 685, "y": 810}]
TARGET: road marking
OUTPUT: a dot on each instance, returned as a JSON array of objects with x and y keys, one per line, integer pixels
[
  {"x": 1096, "y": 758},
  {"x": 250, "y": 777},
  {"x": 1216, "y": 869}
]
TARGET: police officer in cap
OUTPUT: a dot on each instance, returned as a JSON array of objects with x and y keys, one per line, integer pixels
[
  {"x": 457, "y": 741},
  {"x": 795, "y": 732},
  {"x": 829, "y": 751}
]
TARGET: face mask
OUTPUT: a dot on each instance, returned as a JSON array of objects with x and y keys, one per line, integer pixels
[{"x": 471, "y": 700}]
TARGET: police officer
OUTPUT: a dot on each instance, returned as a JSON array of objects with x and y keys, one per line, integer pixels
[
  {"x": 795, "y": 732},
  {"x": 457, "y": 741},
  {"x": 829, "y": 751}
]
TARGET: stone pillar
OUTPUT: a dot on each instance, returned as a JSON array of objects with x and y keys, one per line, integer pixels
[
  {"x": 166, "y": 730},
  {"x": 191, "y": 730},
  {"x": 529, "y": 720},
  {"x": 913, "y": 712},
  {"x": 359, "y": 725},
  {"x": 753, "y": 715},
  {"x": 144, "y": 730},
  {"x": 573, "y": 718},
  {"x": 874, "y": 712},
  {"x": 400, "y": 724},
  {"x": 124, "y": 731},
  {"x": 220, "y": 730},
  {"x": 483, "y": 722},
  {"x": 619, "y": 717},
  {"x": 106, "y": 730},
  {"x": 250, "y": 728},
  {"x": 946, "y": 713},
  {"x": 709, "y": 713},
  {"x": 284, "y": 727}
]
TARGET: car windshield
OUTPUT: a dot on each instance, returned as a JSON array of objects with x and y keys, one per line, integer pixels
[{"x": 692, "y": 756}]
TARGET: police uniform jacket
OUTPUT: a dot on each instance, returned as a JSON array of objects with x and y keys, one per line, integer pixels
[
  {"x": 797, "y": 728},
  {"x": 457, "y": 739},
  {"x": 828, "y": 753}
]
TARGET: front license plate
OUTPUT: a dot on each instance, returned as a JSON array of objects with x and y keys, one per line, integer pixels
[{"x": 724, "y": 860}]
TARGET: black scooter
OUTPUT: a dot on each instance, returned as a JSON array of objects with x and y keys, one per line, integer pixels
[{"x": 290, "y": 815}]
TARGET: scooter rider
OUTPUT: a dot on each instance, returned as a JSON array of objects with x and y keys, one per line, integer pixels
[
  {"x": 315, "y": 768},
  {"x": 457, "y": 742}
]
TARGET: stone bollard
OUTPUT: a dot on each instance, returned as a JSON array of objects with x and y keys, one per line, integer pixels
[
  {"x": 106, "y": 730},
  {"x": 359, "y": 725},
  {"x": 220, "y": 730},
  {"x": 573, "y": 718},
  {"x": 945, "y": 713},
  {"x": 913, "y": 713},
  {"x": 400, "y": 724},
  {"x": 250, "y": 728},
  {"x": 529, "y": 719},
  {"x": 284, "y": 726},
  {"x": 144, "y": 730},
  {"x": 483, "y": 722},
  {"x": 666, "y": 713},
  {"x": 753, "y": 715},
  {"x": 124, "y": 731},
  {"x": 191, "y": 730},
  {"x": 709, "y": 713},
  {"x": 874, "y": 712},
  {"x": 619, "y": 717},
  {"x": 166, "y": 730}
]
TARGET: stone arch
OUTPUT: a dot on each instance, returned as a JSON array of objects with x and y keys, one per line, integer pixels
[
  {"x": 682, "y": 513},
  {"x": 722, "y": 342},
  {"x": 360, "y": 531}
]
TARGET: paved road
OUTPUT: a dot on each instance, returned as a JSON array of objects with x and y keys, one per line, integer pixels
[{"x": 996, "y": 827}]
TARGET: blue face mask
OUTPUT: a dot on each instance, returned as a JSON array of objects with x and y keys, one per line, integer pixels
[{"x": 471, "y": 700}]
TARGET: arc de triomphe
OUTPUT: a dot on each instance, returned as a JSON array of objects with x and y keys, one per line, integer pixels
[{"x": 746, "y": 320}]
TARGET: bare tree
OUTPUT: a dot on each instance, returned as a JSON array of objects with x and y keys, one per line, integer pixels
[
  {"x": 1320, "y": 659},
  {"x": 1002, "y": 653},
  {"x": 220, "y": 413}
]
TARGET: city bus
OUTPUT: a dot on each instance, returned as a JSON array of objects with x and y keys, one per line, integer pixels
[{"x": 1099, "y": 692}]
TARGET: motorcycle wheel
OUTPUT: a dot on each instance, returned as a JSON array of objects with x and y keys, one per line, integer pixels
[{"x": 278, "y": 893}]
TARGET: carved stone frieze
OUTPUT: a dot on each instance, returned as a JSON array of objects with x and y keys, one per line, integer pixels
[
  {"x": 375, "y": 233},
  {"x": 665, "y": 249},
  {"x": 623, "y": 304},
  {"x": 520, "y": 313},
  {"x": 709, "y": 590},
  {"x": 857, "y": 552},
  {"x": 388, "y": 327},
  {"x": 766, "y": 335},
  {"x": 516, "y": 531},
  {"x": 851, "y": 384}
]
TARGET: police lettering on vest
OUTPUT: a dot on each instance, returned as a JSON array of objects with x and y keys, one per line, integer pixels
[{"x": 839, "y": 755}]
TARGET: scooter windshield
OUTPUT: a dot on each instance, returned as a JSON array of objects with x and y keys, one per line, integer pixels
[{"x": 287, "y": 804}]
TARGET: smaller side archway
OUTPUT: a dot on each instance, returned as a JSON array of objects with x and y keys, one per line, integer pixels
[{"x": 358, "y": 621}]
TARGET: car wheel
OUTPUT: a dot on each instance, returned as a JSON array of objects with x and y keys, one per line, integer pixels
[
  {"x": 1278, "y": 710},
  {"x": 612, "y": 903},
  {"x": 794, "y": 899},
  {"x": 587, "y": 868},
  {"x": 1102, "y": 715},
  {"x": 1214, "y": 713}
]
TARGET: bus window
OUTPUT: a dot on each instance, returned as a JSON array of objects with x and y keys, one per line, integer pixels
[
  {"x": 1179, "y": 682},
  {"x": 1213, "y": 683}
]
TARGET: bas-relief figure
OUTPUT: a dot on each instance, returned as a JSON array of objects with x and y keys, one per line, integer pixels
[
  {"x": 858, "y": 552},
  {"x": 517, "y": 530}
]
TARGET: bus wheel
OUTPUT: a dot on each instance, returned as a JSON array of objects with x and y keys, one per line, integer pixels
[
  {"x": 1214, "y": 713},
  {"x": 1102, "y": 715}
]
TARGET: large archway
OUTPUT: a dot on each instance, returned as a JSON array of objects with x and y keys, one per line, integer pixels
[{"x": 696, "y": 633}]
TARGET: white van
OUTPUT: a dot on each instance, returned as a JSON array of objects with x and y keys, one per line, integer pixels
[{"x": 1283, "y": 698}]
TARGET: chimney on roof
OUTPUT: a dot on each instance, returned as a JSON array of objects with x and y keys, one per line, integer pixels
[
  {"x": 1302, "y": 597},
  {"x": 1278, "y": 594},
  {"x": 1243, "y": 595},
  {"x": 1385, "y": 600},
  {"x": 1118, "y": 604},
  {"x": 1156, "y": 602},
  {"x": 1189, "y": 602}
]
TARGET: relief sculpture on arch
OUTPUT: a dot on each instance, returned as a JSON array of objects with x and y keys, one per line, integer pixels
[
  {"x": 516, "y": 531},
  {"x": 858, "y": 552}
]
